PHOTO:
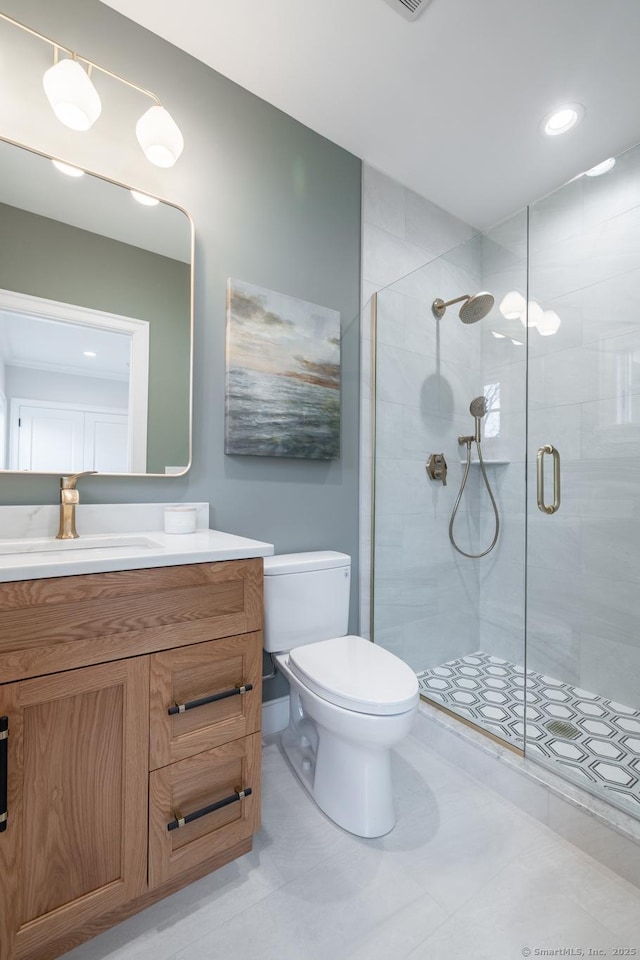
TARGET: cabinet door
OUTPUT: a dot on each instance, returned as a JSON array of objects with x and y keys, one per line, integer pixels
[
  {"x": 209, "y": 681},
  {"x": 195, "y": 811},
  {"x": 74, "y": 845}
]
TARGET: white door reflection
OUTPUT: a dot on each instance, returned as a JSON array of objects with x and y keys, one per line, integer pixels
[{"x": 74, "y": 388}]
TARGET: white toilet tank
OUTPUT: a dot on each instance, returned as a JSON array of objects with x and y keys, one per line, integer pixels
[{"x": 306, "y": 598}]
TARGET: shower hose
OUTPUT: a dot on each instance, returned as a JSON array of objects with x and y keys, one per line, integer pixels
[{"x": 474, "y": 556}]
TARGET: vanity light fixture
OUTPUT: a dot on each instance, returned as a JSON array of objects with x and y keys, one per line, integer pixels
[
  {"x": 68, "y": 169},
  {"x": 549, "y": 324},
  {"x": 562, "y": 120},
  {"x": 72, "y": 95},
  {"x": 144, "y": 199},
  {"x": 601, "y": 168},
  {"x": 513, "y": 305},
  {"x": 69, "y": 88},
  {"x": 533, "y": 315}
]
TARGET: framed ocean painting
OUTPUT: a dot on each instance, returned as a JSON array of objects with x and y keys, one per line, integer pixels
[{"x": 282, "y": 395}]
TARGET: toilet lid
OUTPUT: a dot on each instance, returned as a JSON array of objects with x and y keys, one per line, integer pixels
[{"x": 356, "y": 674}]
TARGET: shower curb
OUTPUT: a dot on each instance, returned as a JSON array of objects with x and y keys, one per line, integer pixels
[{"x": 607, "y": 834}]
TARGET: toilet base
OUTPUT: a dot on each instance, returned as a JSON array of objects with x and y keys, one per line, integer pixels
[{"x": 350, "y": 780}]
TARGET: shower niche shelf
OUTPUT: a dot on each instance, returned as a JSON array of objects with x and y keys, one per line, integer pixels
[{"x": 487, "y": 463}]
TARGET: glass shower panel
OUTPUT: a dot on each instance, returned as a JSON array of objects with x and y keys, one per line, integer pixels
[
  {"x": 583, "y": 558},
  {"x": 458, "y": 622}
]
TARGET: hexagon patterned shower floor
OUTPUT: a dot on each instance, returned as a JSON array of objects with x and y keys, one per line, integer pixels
[{"x": 601, "y": 747}]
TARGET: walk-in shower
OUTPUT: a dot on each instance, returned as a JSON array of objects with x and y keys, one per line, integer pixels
[{"x": 536, "y": 641}]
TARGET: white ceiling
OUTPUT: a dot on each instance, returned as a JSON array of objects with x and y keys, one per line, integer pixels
[{"x": 448, "y": 105}]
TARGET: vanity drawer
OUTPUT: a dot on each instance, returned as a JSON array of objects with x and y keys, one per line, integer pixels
[
  {"x": 200, "y": 696},
  {"x": 92, "y": 618},
  {"x": 190, "y": 789}
]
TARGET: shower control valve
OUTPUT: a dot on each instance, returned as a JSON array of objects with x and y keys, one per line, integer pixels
[{"x": 436, "y": 467}]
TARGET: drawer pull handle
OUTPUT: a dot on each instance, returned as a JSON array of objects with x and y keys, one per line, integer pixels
[
  {"x": 240, "y": 688},
  {"x": 181, "y": 821},
  {"x": 4, "y": 773}
]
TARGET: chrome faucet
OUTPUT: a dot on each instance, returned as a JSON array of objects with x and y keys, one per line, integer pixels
[{"x": 69, "y": 497}]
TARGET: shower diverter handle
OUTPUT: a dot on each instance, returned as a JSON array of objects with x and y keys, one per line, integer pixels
[
  {"x": 436, "y": 467},
  {"x": 548, "y": 508}
]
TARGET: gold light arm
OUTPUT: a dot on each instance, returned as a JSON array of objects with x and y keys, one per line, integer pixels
[{"x": 76, "y": 56}]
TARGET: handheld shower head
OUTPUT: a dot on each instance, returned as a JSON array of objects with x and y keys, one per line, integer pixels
[
  {"x": 478, "y": 407},
  {"x": 473, "y": 309}
]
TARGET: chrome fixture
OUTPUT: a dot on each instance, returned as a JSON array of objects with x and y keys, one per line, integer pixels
[
  {"x": 548, "y": 508},
  {"x": 436, "y": 467},
  {"x": 69, "y": 88},
  {"x": 473, "y": 309},
  {"x": 69, "y": 498},
  {"x": 478, "y": 410}
]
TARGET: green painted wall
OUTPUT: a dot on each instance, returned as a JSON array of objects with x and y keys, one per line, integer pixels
[
  {"x": 46, "y": 258},
  {"x": 273, "y": 203}
]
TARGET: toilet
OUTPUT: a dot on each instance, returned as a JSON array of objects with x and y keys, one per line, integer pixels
[{"x": 350, "y": 700}]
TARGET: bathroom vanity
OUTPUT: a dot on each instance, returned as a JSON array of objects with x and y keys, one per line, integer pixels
[{"x": 133, "y": 698}]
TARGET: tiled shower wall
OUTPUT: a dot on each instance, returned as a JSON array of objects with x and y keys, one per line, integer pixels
[
  {"x": 431, "y": 603},
  {"x": 426, "y": 602}
]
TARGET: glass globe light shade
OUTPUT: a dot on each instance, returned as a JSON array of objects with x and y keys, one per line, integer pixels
[
  {"x": 72, "y": 95},
  {"x": 549, "y": 324},
  {"x": 68, "y": 169},
  {"x": 159, "y": 136},
  {"x": 533, "y": 316},
  {"x": 513, "y": 305},
  {"x": 145, "y": 199}
]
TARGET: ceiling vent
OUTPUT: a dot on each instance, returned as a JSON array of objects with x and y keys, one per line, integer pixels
[{"x": 409, "y": 9}]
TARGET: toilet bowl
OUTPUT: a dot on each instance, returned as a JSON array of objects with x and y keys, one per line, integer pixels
[{"x": 351, "y": 700}]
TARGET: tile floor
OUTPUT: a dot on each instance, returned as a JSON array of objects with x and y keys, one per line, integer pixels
[
  {"x": 601, "y": 752},
  {"x": 464, "y": 875}
]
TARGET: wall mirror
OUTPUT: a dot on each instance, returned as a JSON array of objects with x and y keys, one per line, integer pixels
[{"x": 96, "y": 324}]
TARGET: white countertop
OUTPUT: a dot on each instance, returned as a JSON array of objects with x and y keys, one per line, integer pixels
[
  {"x": 152, "y": 549},
  {"x": 111, "y": 538}
]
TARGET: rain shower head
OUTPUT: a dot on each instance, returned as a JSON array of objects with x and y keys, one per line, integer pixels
[{"x": 473, "y": 309}]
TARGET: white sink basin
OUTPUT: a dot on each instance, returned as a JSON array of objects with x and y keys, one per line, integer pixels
[{"x": 82, "y": 544}]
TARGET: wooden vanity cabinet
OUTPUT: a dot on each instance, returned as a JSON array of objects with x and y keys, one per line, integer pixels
[{"x": 106, "y": 759}]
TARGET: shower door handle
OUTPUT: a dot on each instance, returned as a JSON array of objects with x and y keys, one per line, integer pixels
[{"x": 546, "y": 507}]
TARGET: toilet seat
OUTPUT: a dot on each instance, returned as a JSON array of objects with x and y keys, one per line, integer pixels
[{"x": 353, "y": 673}]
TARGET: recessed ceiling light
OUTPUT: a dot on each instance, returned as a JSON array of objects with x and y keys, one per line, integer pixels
[
  {"x": 89, "y": 353},
  {"x": 562, "y": 120},
  {"x": 145, "y": 199},
  {"x": 601, "y": 168},
  {"x": 67, "y": 169},
  {"x": 498, "y": 336},
  {"x": 517, "y": 343}
]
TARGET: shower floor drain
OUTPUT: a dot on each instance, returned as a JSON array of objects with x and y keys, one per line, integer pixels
[{"x": 561, "y": 728}]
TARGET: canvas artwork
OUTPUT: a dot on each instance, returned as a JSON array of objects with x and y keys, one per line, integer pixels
[{"x": 283, "y": 375}]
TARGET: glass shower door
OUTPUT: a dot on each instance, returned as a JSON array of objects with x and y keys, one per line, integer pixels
[
  {"x": 455, "y": 614},
  {"x": 583, "y": 511}
]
